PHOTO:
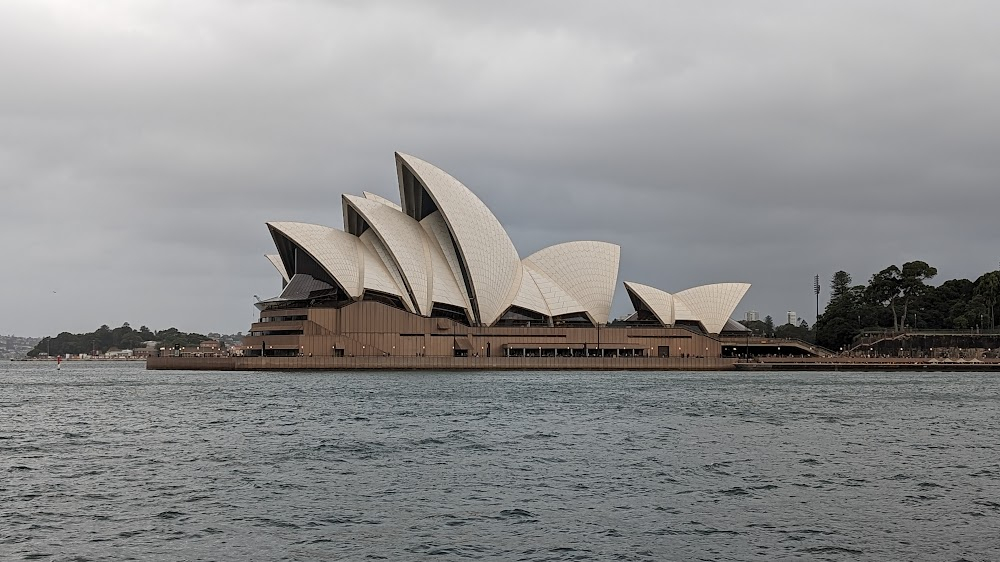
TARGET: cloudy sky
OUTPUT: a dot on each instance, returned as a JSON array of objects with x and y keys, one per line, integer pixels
[{"x": 144, "y": 144}]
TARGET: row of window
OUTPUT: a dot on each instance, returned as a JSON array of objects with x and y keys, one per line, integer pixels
[{"x": 283, "y": 318}]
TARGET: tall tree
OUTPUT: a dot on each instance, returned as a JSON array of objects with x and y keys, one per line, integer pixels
[
  {"x": 838, "y": 324},
  {"x": 912, "y": 286},
  {"x": 988, "y": 287},
  {"x": 884, "y": 288},
  {"x": 840, "y": 285}
]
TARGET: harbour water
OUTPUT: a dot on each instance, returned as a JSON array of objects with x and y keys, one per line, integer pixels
[{"x": 110, "y": 462}]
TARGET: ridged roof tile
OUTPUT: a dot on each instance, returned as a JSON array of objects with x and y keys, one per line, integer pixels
[
  {"x": 587, "y": 270},
  {"x": 660, "y": 303},
  {"x": 334, "y": 250},
  {"x": 405, "y": 240},
  {"x": 491, "y": 261},
  {"x": 713, "y": 304}
]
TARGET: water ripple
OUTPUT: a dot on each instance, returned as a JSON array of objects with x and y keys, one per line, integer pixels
[{"x": 109, "y": 462}]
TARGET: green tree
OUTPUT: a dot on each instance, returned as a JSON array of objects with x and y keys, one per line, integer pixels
[
  {"x": 988, "y": 287},
  {"x": 884, "y": 288},
  {"x": 800, "y": 332},
  {"x": 912, "y": 287},
  {"x": 104, "y": 338},
  {"x": 968, "y": 314},
  {"x": 840, "y": 322},
  {"x": 130, "y": 341},
  {"x": 840, "y": 285},
  {"x": 755, "y": 326},
  {"x": 768, "y": 325},
  {"x": 937, "y": 303}
]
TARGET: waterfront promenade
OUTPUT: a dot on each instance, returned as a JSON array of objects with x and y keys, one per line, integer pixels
[
  {"x": 441, "y": 363},
  {"x": 868, "y": 364},
  {"x": 391, "y": 363}
]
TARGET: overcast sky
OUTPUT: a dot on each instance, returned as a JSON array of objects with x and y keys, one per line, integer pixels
[{"x": 144, "y": 144}]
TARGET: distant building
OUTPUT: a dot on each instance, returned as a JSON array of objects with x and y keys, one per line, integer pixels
[
  {"x": 752, "y": 316},
  {"x": 793, "y": 318}
]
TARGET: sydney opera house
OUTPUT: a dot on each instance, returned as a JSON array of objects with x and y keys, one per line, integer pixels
[{"x": 436, "y": 275}]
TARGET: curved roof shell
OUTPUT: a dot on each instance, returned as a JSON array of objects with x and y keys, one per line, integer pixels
[
  {"x": 452, "y": 290},
  {"x": 336, "y": 251},
  {"x": 373, "y": 244},
  {"x": 489, "y": 261},
  {"x": 713, "y": 304},
  {"x": 660, "y": 303},
  {"x": 586, "y": 270},
  {"x": 682, "y": 312},
  {"x": 529, "y": 296},
  {"x": 377, "y": 276},
  {"x": 382, "y": 200},
  {"x": 275, "y": 260},
  {"x": 557, "y": 300},
  {"x": 406, "y": 243}
]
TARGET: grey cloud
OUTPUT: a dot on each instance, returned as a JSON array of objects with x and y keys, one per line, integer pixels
[{"x": 143, "y": 145}]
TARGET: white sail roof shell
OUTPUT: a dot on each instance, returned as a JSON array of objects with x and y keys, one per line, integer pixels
[
  {"x": 334, "y": 250},
  {"x": 275, "y": 260},
  {"x": 380, "y": 253},
  {"x": 444, "y": 286},
  {"x": 491, "y": 262},
  {"x": 452, "y": 291},
  {"x": 406, "y": 242},
  {"x": 377, "y": 275},
  {"x": 660, "y": 303},
  {"x": 713, "y": 304},
  {"x": 529, "y": 296},
  {"x": 682, "y": 312},
  {"x": 557, "y": 300},
  {"x": 586, "y": 270},
  {"x": 382, "y": 200}
]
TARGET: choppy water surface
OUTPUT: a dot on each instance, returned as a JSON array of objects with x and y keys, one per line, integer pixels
[{"x": 103, "y": 462}]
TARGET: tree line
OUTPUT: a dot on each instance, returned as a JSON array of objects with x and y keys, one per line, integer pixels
[
  {"x": 105, "y": 338},
  {"x": 899, "y": 298},
  {"x": 766, "y": 328}
]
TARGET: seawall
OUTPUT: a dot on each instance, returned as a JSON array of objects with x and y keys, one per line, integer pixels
[{"x": 390, "y": 363}]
